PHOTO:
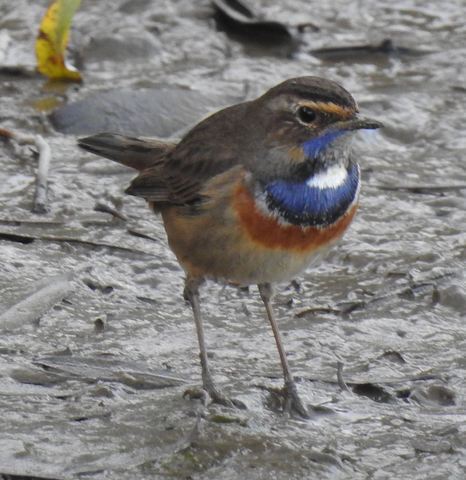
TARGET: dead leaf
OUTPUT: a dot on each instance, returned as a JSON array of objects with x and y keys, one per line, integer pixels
[{"x": 52, "y": 40}]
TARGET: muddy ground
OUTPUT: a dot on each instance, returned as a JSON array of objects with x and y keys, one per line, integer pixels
[{"x": 93, "y": 389}]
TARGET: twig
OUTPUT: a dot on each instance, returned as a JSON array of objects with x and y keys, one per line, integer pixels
[
  {"x": 40, "y": 197},
  {"x": 429, "y": 282},
  {"x": 345, "y": 308},
  {"x": 421, "y": 377},
  {"x": 45, "y": 295},
  {"x": 30, "y": 221},
  {"x": 102, "y": 207},
  {"x": 422, "y": 188},
  {"x": 110, "y": 370},
  {"x": 25, "y": 476},
  {"x": 45, "y": 154},
  {"x": 137, "y": 233},
  {"x": 6, "y": 133},
  {"x": 18, "y": 71},
  {"x": 315, "y": 311},
  {"x": 29, "y": 238},
  {"x": 340, "y": 380}
]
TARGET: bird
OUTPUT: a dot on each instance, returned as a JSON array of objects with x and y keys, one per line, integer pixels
[{"x": 251, "y": 195}]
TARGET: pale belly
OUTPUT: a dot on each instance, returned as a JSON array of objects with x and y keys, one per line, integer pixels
[{"x": 232, "y": 250}]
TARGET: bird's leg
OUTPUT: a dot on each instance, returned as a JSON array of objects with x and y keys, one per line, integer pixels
[
  {"x": 292, "y": 400},
  {"x": 191, "y": 294}
]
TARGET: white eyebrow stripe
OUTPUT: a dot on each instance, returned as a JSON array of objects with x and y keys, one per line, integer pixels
[{"x": 333, "y": 177}]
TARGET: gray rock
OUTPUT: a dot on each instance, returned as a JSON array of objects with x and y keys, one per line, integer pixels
[
  {"x": 121, "y": 48},
  {"x": 162, "y": 112}
]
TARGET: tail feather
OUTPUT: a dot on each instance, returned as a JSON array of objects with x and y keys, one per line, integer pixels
[{"x": 138, "y": 153}]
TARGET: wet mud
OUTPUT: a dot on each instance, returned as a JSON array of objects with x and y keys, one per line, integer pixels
[{"x": 97, "y": 344}]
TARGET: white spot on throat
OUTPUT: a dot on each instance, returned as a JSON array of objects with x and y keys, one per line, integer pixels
[{"x": 332, "y": 177}]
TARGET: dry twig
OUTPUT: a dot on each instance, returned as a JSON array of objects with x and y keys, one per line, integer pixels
[
  {"x": 426, "y": 189},
  {"x": 44, "y": 296},
  {"x": 29, "y": 238},
  {"x": 45, "y": 154},
  {"x": 340, "y": 379}
]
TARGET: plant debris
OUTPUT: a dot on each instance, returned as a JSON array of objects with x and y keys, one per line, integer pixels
[{"x": 52, "y": 41}]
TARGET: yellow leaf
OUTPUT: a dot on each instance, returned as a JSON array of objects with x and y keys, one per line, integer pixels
[{"x": 52, "y": 40}]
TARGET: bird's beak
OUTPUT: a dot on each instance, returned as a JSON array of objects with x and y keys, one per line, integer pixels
[
  {"x": 357, "y": 123},
  {"x": 313, "y": 147}
]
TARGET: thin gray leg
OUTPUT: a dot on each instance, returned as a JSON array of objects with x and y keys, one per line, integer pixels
[
  {"x": 292, "y": 400},
  {"x": 191, "y": 294}
]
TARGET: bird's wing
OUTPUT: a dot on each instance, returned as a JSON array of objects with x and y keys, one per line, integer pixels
[{"x": 208, "y": 150}]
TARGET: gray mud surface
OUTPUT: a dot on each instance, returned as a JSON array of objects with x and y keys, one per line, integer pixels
[{"x": 91, "y": 387}]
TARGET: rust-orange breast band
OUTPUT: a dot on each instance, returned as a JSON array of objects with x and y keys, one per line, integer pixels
[{"x": 269, "y": 232}]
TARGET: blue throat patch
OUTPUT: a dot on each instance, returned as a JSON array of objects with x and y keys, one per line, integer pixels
[
  {"x": 305, "y": 205},
  {"x": 313, "y": 147}
]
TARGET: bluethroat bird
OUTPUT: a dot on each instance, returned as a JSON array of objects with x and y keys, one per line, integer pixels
[{"x": 253, "y": 194}]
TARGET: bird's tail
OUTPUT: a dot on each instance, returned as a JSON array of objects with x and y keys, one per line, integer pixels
[{"x": 135, "y": 152}]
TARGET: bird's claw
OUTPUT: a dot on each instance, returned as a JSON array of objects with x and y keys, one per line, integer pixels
[
  {"x": 215, "y": 395},
  {"x": 287, "y": 396},
  {"x": 292, "y": 401}
]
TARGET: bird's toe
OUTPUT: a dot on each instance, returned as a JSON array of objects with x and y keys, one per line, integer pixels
[{"x": 215, "y": 395}]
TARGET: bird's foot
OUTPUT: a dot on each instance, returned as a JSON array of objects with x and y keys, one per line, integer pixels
[
  {"x": 215, "y": 395},
  {"x": 292, "y": 401},
  {"x": 289, "y": 400}
]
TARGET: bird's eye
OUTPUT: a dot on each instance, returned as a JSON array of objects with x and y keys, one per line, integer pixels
[{"x": 306, "y": 114}]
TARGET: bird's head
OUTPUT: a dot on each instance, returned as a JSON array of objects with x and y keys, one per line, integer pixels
[{"x": 307, "y": 124}]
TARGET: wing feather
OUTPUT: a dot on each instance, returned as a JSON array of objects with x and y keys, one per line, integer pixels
[{"x": 208, "y": 150}]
